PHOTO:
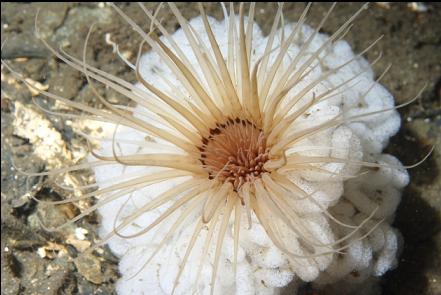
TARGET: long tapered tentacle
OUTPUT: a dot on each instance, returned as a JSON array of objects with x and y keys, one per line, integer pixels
[{"x": 228, "y": 208}]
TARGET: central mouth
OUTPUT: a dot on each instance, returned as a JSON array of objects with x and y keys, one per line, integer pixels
[{"x": 235, "y": 151}]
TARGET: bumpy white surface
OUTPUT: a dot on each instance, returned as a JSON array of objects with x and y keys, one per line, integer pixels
[{"x": 262, "y": 268}]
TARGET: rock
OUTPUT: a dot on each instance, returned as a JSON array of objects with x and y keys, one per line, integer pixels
[{"x": 89, "y": 267}]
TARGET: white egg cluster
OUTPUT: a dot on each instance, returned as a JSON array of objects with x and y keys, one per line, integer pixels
[{"x": 352, "y": 208}]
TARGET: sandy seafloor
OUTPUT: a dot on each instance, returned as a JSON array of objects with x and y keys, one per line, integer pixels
[{"x": 34, "y": 261}]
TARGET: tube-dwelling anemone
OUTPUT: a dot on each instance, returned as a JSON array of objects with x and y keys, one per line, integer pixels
[{"x": 236, "y": 128}]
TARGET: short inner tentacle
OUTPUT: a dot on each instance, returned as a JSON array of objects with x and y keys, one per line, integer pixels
[{"x": 235, "y": 151}]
